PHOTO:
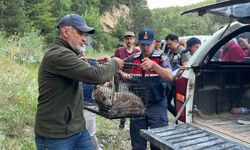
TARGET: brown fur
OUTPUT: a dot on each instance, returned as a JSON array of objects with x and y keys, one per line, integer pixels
[{"x": 122, "y": 103}]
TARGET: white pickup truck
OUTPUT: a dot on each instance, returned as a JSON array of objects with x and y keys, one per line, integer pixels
[{"x": 216, "y": 80}]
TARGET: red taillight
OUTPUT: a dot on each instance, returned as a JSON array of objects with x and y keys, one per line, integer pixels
[
  {"x": 181, "y": 87},
  {"x": 180, "y": 97}
]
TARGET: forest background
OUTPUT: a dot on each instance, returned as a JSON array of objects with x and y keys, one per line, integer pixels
[{"x": 27, "y": 28}]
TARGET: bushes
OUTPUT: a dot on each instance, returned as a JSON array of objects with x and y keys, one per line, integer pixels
[
  {"x": 105, "y": 44},
  {"x": 26, "y": 49},
  {"x": 31, "y": 48},
  {"x": 18, "y": 89}
]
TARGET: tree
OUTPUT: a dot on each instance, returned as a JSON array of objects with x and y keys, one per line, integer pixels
[
  {"x": 60, "y": 8},
  {"x": 107, "y": 5},
  {"x": 13, "y": 19},
  {"x": 169, "y": 19},
  {"x": 141, "y": 15},
  {"x": 40, "y": 17},
  {"x": 138, "y": 18},
  {"x": 121, "y": 27}
]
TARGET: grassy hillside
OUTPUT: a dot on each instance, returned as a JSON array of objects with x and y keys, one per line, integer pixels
[{"x": 18, "y": 94}]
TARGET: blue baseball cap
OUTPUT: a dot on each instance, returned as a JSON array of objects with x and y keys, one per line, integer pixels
[
  {"x": 192, "y": 41},
  {"x": 146, "y": 36},
  {"x": 75, "y": 21}
]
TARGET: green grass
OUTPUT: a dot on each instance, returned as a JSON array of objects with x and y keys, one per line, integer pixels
[
  {"x": 18, "y": 92},
  {"x": 109, "y": 135}
]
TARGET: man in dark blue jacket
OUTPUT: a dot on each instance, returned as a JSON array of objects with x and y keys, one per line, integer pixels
[{"x": 155, "y": 67}]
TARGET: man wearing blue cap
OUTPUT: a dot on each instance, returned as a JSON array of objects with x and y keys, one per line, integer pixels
[
  {"x": 192, "y": 45},
  {"x": 156, "y": 68},
  {"x": 59, "y": 120}
]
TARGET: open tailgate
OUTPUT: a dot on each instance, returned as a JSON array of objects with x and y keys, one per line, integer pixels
[
  {"x": 188, "y": 137},
  {"x": 238, "y": 9}
]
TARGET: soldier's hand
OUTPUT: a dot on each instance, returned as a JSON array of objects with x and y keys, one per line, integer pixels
[{"x": 147, "y": 64}]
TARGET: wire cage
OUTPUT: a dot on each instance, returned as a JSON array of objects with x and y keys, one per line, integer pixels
[{"x": 125, "y": 96}]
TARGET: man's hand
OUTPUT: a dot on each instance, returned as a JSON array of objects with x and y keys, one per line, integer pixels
[
  {"x": 84, "y": 58},
  {"x": 104, "y": 58},
  {"x": 119, "y": 61},
  {"x": 125, "y": 76},
  {"x": 147, "y": 64},
  {"x": 181, "y": 70},
  {"x": 164, "y": 73}
]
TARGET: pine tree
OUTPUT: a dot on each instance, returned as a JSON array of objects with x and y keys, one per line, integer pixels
[{"x": 13, "y": 19}]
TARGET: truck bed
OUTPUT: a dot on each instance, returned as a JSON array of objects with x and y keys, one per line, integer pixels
[
  {"x": 186, "y": 136},
  {"x": 231, "y": 125}
]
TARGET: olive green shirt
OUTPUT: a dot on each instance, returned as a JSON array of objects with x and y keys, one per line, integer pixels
[
  {"x": 60, "y": 102},
  {"x": 178, "y": 57}
]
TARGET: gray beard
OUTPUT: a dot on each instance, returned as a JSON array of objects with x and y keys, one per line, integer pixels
[{"x": 75, "y": 48}]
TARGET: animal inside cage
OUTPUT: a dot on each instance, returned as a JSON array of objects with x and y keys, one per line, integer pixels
[{"x": 123, "y": 97}]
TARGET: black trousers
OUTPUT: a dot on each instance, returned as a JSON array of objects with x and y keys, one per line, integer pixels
[{"x": 171, "y": 95}]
